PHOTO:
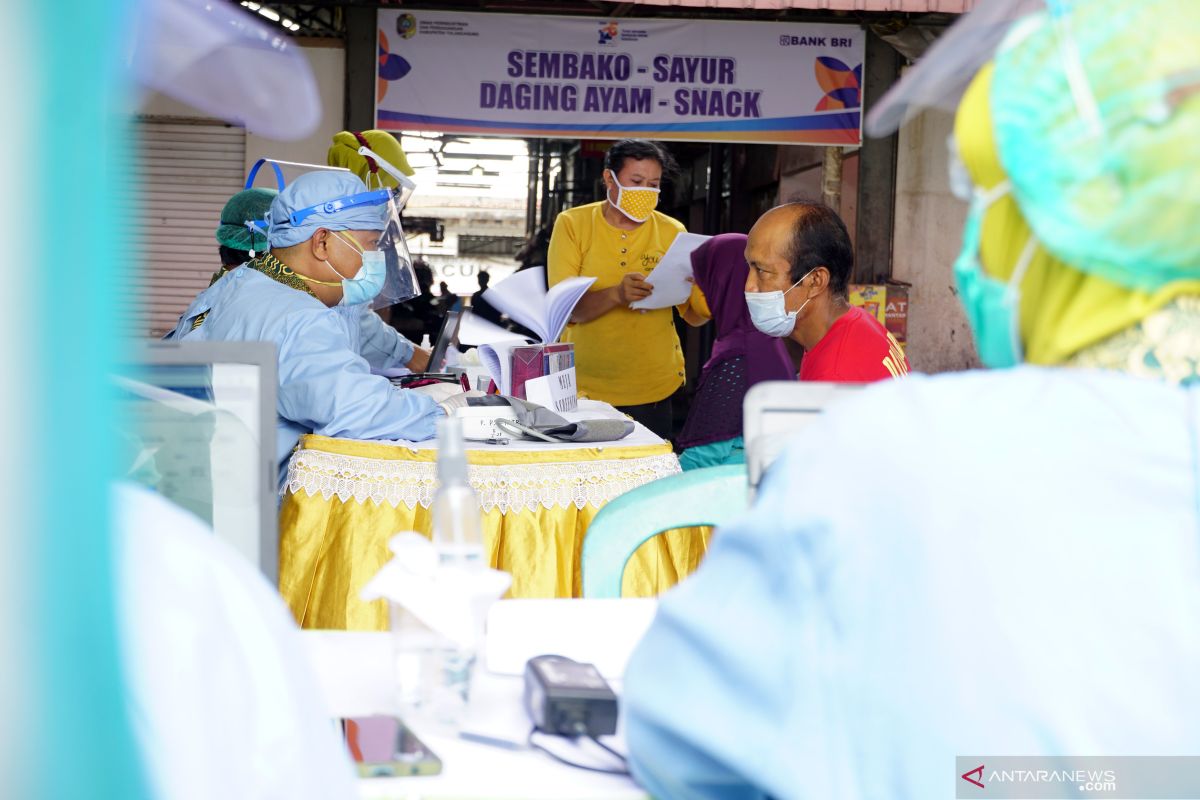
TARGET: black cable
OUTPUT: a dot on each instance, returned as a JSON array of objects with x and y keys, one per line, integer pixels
[
  {"x": 570, "y": 763},
  {"x": 603, "y": 746}
]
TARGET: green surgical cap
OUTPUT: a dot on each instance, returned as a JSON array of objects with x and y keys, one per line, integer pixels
[
  {"x": 251, "y": 204},
  {"x": 1097, "y": 123}
]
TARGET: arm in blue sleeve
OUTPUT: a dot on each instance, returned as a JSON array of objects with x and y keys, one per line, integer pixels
[
  {"x": 330, "y": 390},
  {"x": 718, "y": 700},
  {"x": 382, "y": 345}
]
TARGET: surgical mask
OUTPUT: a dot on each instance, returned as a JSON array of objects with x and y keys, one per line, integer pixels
[
  {"x": 768, "y": 310},
  {"x": 635, "y": 202},
  {"x": 992, "y": 306},
  {"x": 364, "y": 286}
]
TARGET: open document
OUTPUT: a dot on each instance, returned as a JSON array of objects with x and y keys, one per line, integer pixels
[
  {"x": 523, "y": 297},
  {"x": 672, "y": 277}
]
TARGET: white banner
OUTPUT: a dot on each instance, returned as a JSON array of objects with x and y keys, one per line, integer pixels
[{"x": 572, "y": 77}]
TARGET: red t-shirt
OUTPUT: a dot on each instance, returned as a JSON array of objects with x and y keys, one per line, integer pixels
[{"x": 857, "y": 349}]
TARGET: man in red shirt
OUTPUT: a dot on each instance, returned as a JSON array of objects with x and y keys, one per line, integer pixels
[{"x": 800, "y": 261}]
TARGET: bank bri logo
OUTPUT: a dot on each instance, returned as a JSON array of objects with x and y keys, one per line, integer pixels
[
  {"x": 841, "y": 84},
  {"x": 608, "y": 33}
]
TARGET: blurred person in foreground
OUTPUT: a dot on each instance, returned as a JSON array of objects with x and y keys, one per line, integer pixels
[
  {"x": 741, "y": 356},
  {"x": 1025, "y": 577},
  {"x": 222, "y": 694},
  {"x": 311, "y": 295},
  {"x": 804, "y": 248}
]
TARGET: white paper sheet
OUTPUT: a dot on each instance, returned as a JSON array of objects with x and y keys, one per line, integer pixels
[
  {"x": 474, "y": 329},
  {"x": 671, "y": 278},
  {"x": 557, "y": 391}
]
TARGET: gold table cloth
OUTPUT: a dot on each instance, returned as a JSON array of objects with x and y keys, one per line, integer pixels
[{"x": 344, "y": 499}]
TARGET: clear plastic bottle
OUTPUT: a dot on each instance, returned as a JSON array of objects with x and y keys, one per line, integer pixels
[
  {"x": 458, "y": 540},
  {"x": 457, "y": 520}
]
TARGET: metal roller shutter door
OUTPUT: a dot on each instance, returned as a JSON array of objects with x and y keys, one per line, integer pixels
[{"x": 182, "y": 173}]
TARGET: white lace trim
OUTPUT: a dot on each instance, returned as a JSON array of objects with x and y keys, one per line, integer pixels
[{"x": 514, "y": 486}]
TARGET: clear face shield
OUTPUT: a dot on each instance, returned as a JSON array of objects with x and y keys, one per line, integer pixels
[
  {"x": 400, "y": 282},
  {"x": 405, "y": 186}
]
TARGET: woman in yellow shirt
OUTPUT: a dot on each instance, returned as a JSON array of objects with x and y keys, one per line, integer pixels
[{"x": 631, "y": 359}]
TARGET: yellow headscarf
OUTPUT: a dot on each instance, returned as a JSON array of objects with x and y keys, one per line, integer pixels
[
  {"x": 344, "y": 153},
  {"x": 1063, "y": 310}
]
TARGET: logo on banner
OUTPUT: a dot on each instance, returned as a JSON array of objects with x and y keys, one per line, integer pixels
[
  {"x": 392, "y": 67},
  {"x": 841, "y": 84},
  {"x": 608, "y": 33},
  {"x": 406, "y": 25},
  {"x": 977, "y": 780}
]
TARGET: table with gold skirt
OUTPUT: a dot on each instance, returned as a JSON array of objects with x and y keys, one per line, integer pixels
[{"x": 344, "y": 499}]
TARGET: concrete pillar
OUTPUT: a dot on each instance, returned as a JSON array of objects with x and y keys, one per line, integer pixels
[
  {"x": 877, "y": 171},
  {"x": 362, "y": 55}
]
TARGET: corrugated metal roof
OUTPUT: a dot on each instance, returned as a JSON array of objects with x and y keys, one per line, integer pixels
[{"x": 941, "y": 6}]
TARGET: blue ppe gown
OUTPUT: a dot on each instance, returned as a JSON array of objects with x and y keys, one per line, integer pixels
[
  {"x": 325, "y": 356},
  {"x": 1013, "y": 570}
]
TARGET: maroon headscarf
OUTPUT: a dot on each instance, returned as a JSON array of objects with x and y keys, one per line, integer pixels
[{"x": 720, "y": 269}]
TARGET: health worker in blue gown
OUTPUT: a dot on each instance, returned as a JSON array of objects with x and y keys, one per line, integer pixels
[
  {"x": 337, "y": 251},
  {"x": 1019, "y": 574}
]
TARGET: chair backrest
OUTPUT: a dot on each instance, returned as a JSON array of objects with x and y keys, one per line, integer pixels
[
  {"x": 774, "y": 411},
  {"x": 699, "y": 497}
]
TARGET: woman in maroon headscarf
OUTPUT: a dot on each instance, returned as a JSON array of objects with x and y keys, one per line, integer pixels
[{"x": 741, "y": 357}]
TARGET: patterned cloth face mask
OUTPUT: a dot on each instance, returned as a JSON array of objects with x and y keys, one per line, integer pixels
[{"x": 635, "y": 202}]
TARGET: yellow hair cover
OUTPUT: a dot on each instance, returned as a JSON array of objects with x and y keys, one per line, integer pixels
[{"x": 344, "y": 153}]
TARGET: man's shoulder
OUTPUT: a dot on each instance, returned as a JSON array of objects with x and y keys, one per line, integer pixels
[
  {"x": 259, "y": 294},
  {"x": 980, "y": 411},
  {"x": 252, "y": 305},
  {"x": 862, "y": 325}
]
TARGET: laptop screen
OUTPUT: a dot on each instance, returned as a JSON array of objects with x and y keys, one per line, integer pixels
[{"x": 447, "y": 337}]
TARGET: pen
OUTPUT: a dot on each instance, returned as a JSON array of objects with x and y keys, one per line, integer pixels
[{"x": 480, "y": 738}]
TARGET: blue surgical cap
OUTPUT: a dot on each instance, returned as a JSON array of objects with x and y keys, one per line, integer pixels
[{"x": 315, "y": 188}]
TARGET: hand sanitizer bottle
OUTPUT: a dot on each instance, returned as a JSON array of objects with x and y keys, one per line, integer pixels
[
  {"x": 458, "y": 541},
  {"x": 457, "y": 519}
]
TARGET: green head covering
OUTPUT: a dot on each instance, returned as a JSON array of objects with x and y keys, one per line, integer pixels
[
  {"x": 247, "y": 205},
  {"x": 1097, "y": 122}
]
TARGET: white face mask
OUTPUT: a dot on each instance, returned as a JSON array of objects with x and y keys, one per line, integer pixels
[
  {"x": 768, "y": 310},
  {"x": 368, "y": 281}
]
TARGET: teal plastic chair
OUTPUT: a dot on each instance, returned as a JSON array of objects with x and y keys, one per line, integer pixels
[{"x": 710, "y": 496}]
